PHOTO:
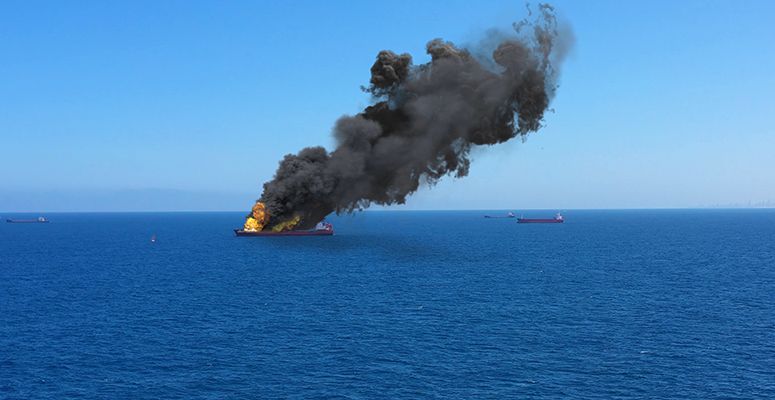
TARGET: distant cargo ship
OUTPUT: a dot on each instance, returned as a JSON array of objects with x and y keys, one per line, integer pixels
[
  {"x": 39, "y": 220},
  {"x": 509, "y": 215},
  {"x": 322, "y": 229},
  {"x": 558, "y": 219}
]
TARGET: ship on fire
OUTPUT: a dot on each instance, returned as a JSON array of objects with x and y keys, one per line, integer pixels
[
  {"x": 257, "y": 224},
  {"x": 322, "y": 229}
]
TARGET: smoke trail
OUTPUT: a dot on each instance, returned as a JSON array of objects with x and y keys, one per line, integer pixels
[{"x": 422, "y": 125}]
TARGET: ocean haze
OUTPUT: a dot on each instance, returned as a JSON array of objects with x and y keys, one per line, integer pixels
[
  {"x": 445, "y": 196},
  {"x": 101, "y": 200}
]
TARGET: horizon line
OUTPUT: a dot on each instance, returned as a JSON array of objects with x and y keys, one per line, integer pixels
[{"x": 404, "y": 210}]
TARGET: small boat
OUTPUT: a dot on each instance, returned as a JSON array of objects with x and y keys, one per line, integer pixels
[
  {"x": 509, "y": 215},
  {"x": 153, "y": 238},
  {"x": 39, "y": 220},
  {"x": 322, "y": 229},
  {"x": 558, "y": 219}
]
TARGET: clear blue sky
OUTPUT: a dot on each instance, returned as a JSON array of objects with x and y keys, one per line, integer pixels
[{"x": 189, "y": 105}]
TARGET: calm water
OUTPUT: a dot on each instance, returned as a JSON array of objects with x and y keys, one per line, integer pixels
[{"x": 397, "y": 305}]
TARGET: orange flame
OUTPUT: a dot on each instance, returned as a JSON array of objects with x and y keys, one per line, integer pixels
[{"x": 258, "y": 218}]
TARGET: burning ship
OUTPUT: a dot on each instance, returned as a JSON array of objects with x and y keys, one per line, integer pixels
[
  {"x": 257, "y": 224},
  {"x": 422, "y": 124}
]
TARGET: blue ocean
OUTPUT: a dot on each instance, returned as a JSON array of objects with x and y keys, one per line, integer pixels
[{"x": 664, "y": 304}]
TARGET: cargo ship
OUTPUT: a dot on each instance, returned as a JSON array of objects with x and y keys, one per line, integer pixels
[
  {"x": 322, "y": 229},
  {"x": 39, "y": 220},
  {"x": 509, "y": 215},
  {"x": 558, "y": 219}
]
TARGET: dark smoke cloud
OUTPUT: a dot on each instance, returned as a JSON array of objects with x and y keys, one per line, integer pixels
[{"x": 423, "y": 123}]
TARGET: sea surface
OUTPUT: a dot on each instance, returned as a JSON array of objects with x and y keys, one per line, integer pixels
[{"x": 666, "y": 304}]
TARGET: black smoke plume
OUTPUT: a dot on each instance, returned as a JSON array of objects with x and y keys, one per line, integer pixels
[{"x": 424, "y": 121}]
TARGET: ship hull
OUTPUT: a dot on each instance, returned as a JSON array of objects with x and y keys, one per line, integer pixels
[
  {"x": 539, "y": 221},
  {"x": 25, "y": 221},
  {"x": 325, "y": 232}
]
